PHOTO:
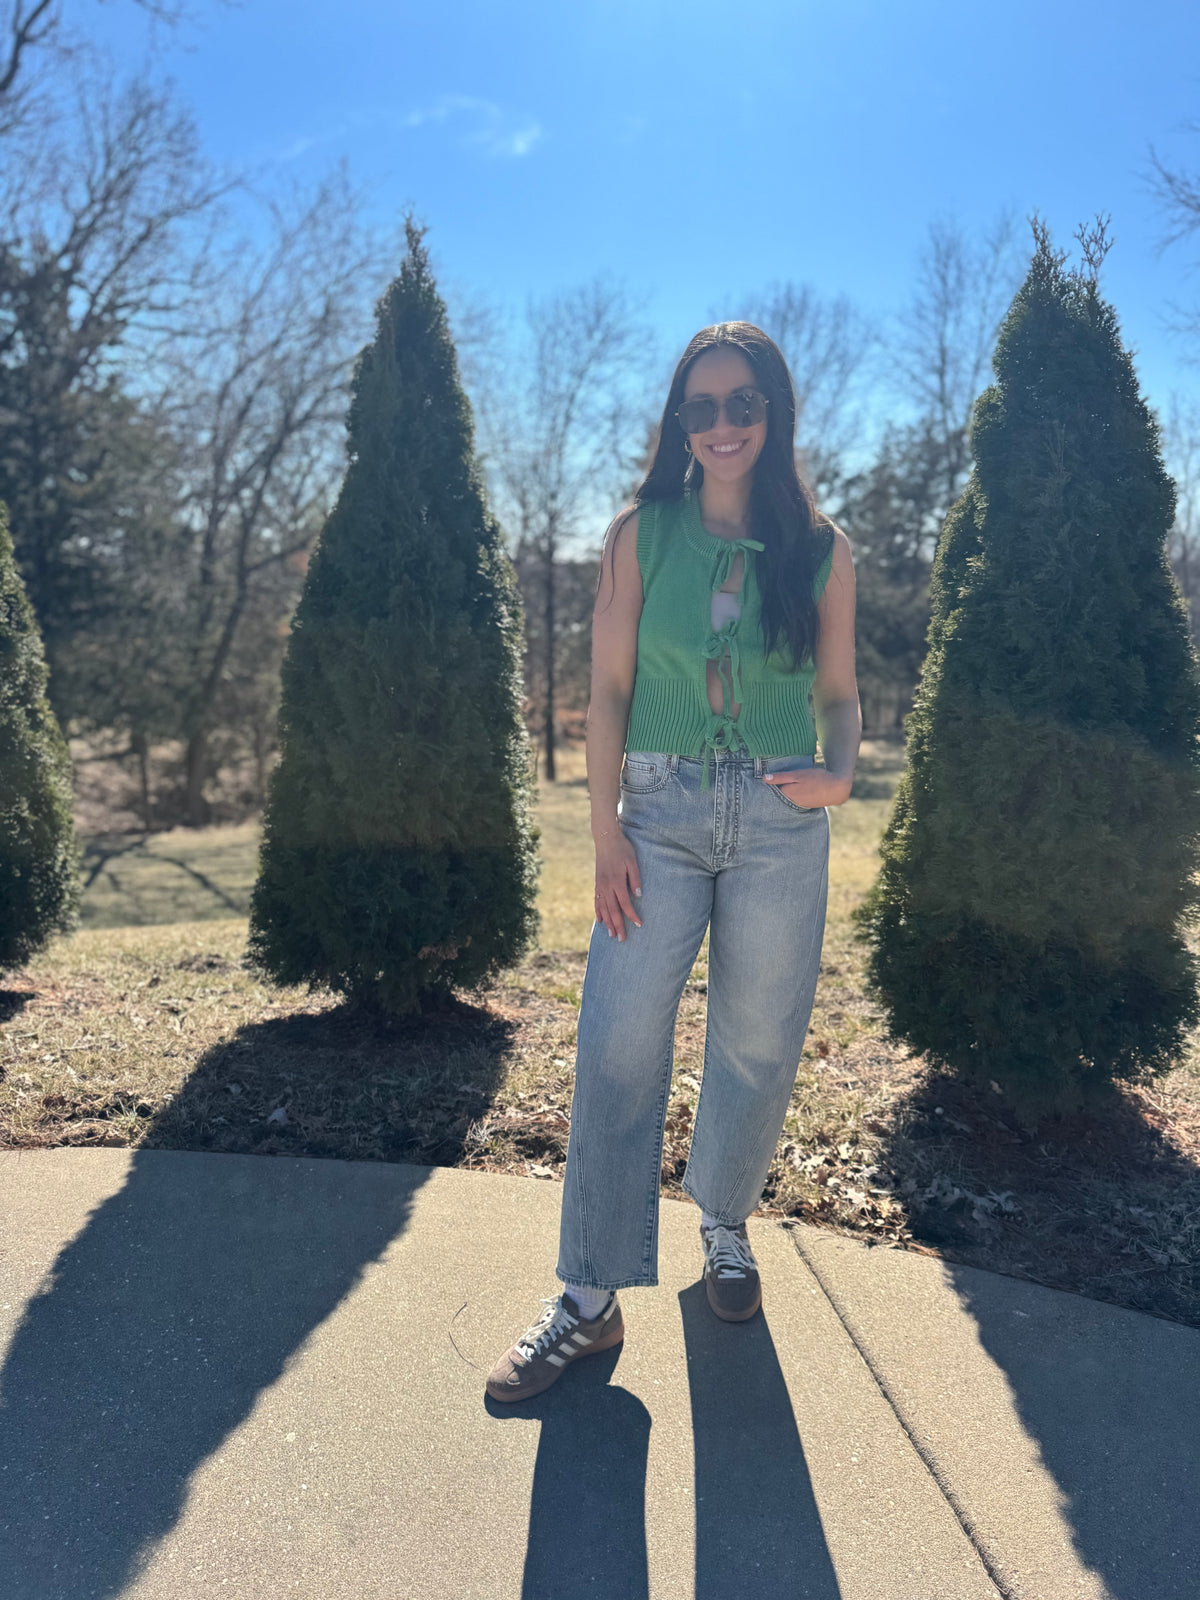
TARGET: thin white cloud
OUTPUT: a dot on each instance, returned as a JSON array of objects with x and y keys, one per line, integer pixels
[{"x": 496, "y": 132}]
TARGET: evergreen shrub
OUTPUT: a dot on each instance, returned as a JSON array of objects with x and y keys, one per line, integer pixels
[
  {"x": 398, "y": 857},
  {"x": 1028, "y": 923},
  {"x": 39, "y": 853}
]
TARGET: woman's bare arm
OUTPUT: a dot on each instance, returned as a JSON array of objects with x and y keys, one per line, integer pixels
[
  {"x": 835, "y": 687},
  {"x": 615, "y": 618},
  {"x": 835, "y": 692}
]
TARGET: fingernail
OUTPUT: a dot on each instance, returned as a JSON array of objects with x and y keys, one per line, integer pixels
[
  {"x": 611, "y": 934},
  {"x": 638, "y": 892}
]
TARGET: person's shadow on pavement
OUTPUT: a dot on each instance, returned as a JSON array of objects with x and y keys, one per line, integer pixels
[
  {"x": 758, "y": 1529},
  {"x": 587, "y": 1514}
]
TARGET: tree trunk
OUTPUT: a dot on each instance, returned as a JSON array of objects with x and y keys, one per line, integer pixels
[
  {"x": 260, "y": 762},
  {"x": 141, "y": 750},
  {"x": 196, "y": 766},
  {"x": 197, "y": 748},
  {"x": 549, "y": 646}
]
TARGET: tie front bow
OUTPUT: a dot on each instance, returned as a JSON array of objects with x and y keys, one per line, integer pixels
[
  {"x": 714, "y": 648},
  {"x": 725, "y": 559},
  {"x": 722, "y": 734}
]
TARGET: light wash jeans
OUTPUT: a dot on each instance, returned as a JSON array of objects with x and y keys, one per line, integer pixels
[{"x": 741, "y": 859}]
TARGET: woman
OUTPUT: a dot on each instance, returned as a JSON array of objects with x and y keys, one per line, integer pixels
[{"x": 723, "y": 599}]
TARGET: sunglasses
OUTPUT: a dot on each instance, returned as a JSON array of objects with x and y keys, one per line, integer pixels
[{"x": 743, "y": 408}]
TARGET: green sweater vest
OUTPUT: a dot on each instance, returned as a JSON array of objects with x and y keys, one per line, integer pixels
[{"x": 682, "y": 564}]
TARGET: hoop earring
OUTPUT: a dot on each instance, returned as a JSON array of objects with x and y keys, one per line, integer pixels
[{"x": 687, "y": 445}]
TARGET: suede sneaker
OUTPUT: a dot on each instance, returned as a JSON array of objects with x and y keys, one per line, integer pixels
[
  {"x": 546, "y": 1350},
  {"x": 731, "y": 1278}
]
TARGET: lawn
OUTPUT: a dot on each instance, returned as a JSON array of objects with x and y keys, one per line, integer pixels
[{"x": 144, "y": 1028}]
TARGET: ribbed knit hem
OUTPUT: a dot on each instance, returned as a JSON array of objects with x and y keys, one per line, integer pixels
[
  {"x": 774, "y": 720},
  {"x": 776, "y": 714},
  {"x": 666, "y": 715}
]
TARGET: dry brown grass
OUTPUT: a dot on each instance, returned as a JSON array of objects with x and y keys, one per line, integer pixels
[{"x": 159, "y": 1036}]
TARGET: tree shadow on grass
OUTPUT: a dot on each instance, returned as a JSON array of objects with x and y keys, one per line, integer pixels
[
  {"x": 188, "y": 1291},
  {"x": 1104, "y": 1204},
  {"x": 343, "y": 1083},
  {"x": 13, "y": 1002}
]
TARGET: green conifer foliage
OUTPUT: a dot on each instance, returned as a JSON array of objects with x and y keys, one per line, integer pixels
[
  {"x": 398, "y": 857},
  {"x": 1039, "y": 866},
  {"x": 39, "y": 853}
]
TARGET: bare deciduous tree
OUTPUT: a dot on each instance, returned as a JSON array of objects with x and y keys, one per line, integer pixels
[
  {"x": 258, "y": 402},
  {"x": 172, "y": 395},
  {"x": 1181, "y": 450},
  {"x": 35, "y": 39},
  {"x": 1178, "y": 194},
  {"x": 828, "y": 345},
  {"x": 91, "y": 217},
  {"x": 940, "y": 360},
  {"x": 563, "y": 423}
]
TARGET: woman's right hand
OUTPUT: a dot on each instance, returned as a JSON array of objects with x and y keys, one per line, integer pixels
[{"x": 618, "y": 883}]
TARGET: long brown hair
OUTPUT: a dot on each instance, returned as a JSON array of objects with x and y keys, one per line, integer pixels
[{"x": 783, "y": 513}]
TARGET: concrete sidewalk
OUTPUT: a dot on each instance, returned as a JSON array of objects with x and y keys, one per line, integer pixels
[{"x": 264, "y": 1377}]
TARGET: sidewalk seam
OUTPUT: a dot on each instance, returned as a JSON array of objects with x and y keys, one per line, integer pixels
[{"x": 928, "y": 1460}]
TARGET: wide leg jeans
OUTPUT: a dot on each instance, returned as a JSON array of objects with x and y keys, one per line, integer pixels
[{"x": 744, "y": 861}]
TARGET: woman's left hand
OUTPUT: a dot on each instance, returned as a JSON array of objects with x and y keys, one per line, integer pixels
[{"x": 811, "y": 786}]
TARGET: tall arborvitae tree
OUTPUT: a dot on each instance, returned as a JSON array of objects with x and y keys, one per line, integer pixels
[
  {"x": 1039, "y": 865},
  {"x": 39, "y": 853},
  {"x": 398, "y": 858}
]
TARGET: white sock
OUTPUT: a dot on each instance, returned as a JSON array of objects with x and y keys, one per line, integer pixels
[
  {"x": 710, "y": 1222},
  {"x": 591, "y": 1302}
]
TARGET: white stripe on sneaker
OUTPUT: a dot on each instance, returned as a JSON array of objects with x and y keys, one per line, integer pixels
[
  {"x": 581, "y": 1338},
  {"x": 557, "y": 1360}
]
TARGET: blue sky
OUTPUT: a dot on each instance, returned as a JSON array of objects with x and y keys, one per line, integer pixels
[{"x": 706, "y": 150}]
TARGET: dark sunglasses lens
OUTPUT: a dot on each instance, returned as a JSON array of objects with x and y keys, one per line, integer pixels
[
  {"x": 697, "y": 416},
  {"x": 745, "y": 408}
]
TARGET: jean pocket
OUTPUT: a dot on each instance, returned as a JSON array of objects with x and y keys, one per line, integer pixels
[
  {"x": 646, "y": 771},
  {"x": 805, "y": 811},
  {"x": 789, "y": 766}
]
